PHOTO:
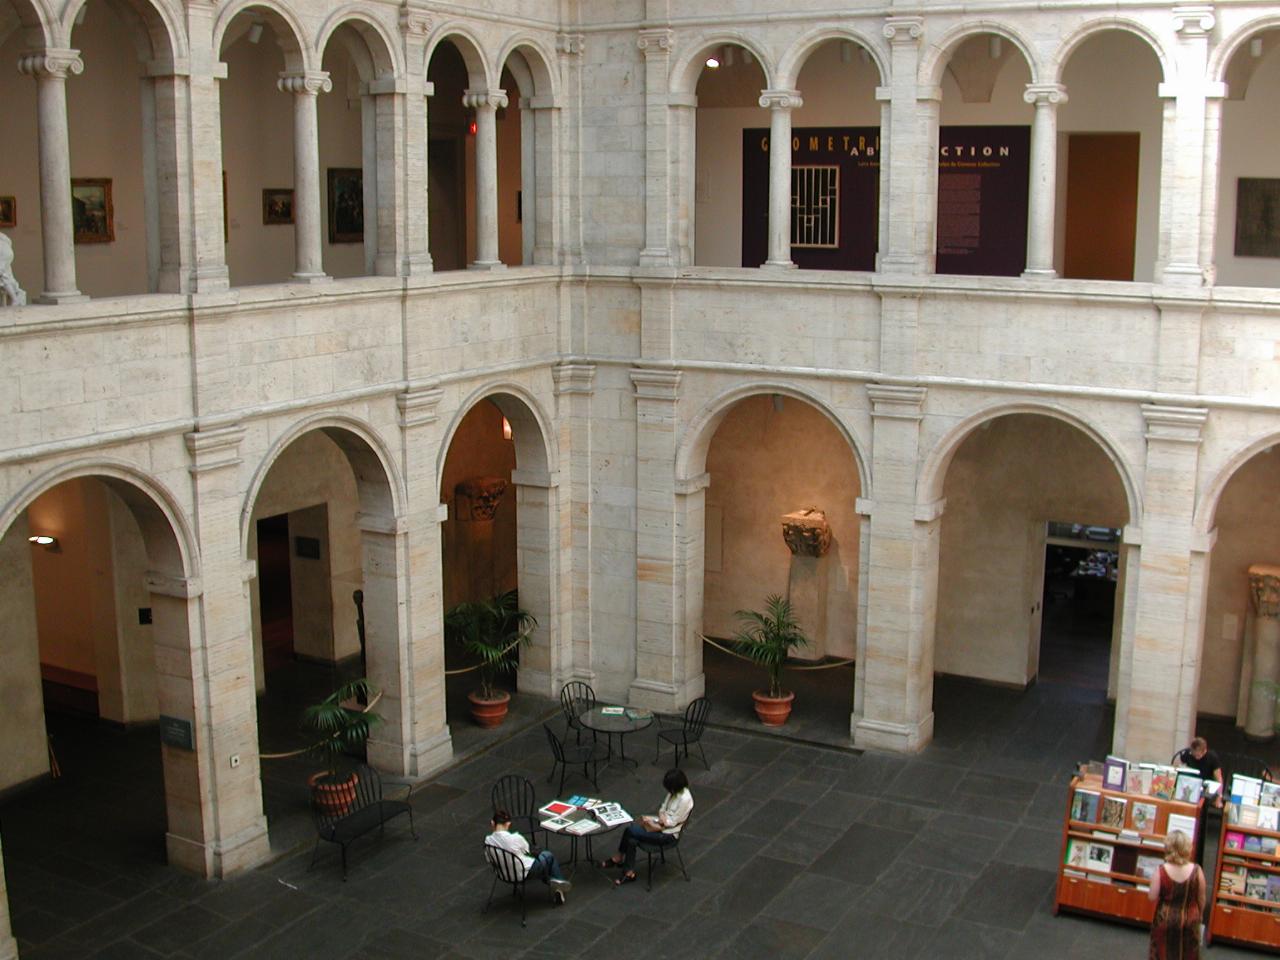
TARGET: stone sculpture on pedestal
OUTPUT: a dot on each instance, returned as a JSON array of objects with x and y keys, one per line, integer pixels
[
  {"x": 1264, "y": 589},
  {"x": 808, "y": 537},
  {"x": 11, "y": 295}
]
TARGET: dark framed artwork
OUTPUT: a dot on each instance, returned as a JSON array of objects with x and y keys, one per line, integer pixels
[
  {"x": 1257, "y": 217},
  {"x": 277, "y": 205},
  {"x": 8, "y": 212},
  {"x": 91, "y": 211},
  {"x": 346, "y": 205}
]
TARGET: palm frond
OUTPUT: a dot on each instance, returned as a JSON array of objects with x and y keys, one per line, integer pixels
[{"x": 766, "y": 637}]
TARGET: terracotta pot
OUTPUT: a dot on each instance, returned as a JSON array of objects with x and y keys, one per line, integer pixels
[
  {"x": 772, "y": 711},
  {"x": 333, "y": 796},
  {"x": 489, "y": 713}
]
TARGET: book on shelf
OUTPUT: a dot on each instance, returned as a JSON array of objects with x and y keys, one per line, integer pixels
[
  {"x": 1084, "y": 805},
  {"x": 1273, "y": 887},
  {"x": 1255, "y": 885},
  {"x": 1269, "y": 845},
  {"x": 1180, "y": 821},
  {"x": 1234, "y": 840},
  {"x": 1129, "y": 836},
  {"x": 1112, "y": 812},
  {"x": 557, "y": 808},
  {"x": 1268, "y": 818},
  {"x": 1163, "y": 781},
  {"x": 1099, "y": 856},
  {"x": 1188, "y": 787},
  {"x": 1248, "y": 789},
  {"x": 1212, "y": 789},
  {"x": 1099, "y": 878},
  {"x": 1249, "y": 814},
  {"x": 1074, "y": 873},
  {"x": 1147, "y": 866},
  {"x": 1252, "y": 843},
  {"x": 1232, "y": 880},
  {"x": 1269, "y": 795},
  {"x": 1143, "y": 817},
  {"x": 1115, "y": 773},
  {"x": 1077, "y": 854},
  {"x": 1139, "y": 780}
]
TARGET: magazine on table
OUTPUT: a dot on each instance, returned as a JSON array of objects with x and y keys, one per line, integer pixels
[
  {"x": 583, "y": 826},
  {"x": 557, "y": 808},
  {"x": 611, "y": 815}
]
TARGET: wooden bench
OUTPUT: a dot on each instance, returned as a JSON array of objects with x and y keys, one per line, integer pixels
[{"x": 359, "y": 811}]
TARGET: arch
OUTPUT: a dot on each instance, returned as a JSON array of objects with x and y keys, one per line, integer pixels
[
  {"x": 691, "y": 455},
  {"x": 383, "y": 52},
  {"x": 527, "y": 411},
  {"x": 1054, "y": 68},
  {"x": 37, "y": 23},
  {"x": 536, "y": 60},
  {"x": 469, "y": 48},
  {"x": 792, "y": 63},
  {"x": 166, "y": 37},
  {"x": 378, "y": 482},
  {"x": 1221, "y": 56},
  {"x": 937, "y": 55},
  {"x": 169, "y": 539},
  {"x": 1207, "y": 507},
  {"x": 933, "y": 470},
  {"x": 688, "y": 67},
  {"x": 288, "y": 31}
]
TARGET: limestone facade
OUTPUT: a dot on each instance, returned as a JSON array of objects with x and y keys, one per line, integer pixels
[{"x": 615, "y": 351}]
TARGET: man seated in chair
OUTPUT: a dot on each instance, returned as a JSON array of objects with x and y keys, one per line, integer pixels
[
  {"x": 544, "y": 866},
  {"x": 1199, "y": 757}
]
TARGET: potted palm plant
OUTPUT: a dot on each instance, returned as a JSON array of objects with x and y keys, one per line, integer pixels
[
  {"x": 341, "y": 726},
  {"x": 766, "y": 638},
  {"x": 490, "y": 630}
]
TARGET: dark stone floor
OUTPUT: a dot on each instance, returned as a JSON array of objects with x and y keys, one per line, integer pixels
[{"x": 795, "y": 851}]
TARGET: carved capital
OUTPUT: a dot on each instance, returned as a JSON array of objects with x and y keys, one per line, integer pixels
[
  {"x": 899, "y": 30},
  {"x": 305, "y": 82},
  {"x": 414, "y": 23},
  {"x": 656, "y": 384},
  {"x": 806, "y": 532},
  {"x": 1193, "y": 20},
  {"x": 1264, "y": 588},
  {"x": 484, "y": 99},
  {"x": 478, "y": 498},
  {"x": 896, "y": 403},
  {"x": 418, "y": 406},
  {"x": 570, "y": 44},
  {"x": 214, "y": 449},
  {"x": 51, "y": 63},
  {"x": 781, "y": 99},
  {"x": 576, "y": 378},
  {"x": 655, "y": 42},
  {"x": 1174, "y": 424},
  {"x": 1051, "y": 94}
]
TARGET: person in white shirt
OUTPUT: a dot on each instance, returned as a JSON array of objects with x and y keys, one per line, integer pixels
[
  {"x": 544, "y": 866},
  {"x": 662, "y": 830}
]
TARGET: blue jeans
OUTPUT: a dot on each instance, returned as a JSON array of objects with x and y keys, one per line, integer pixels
[
  {"x": 545, "y": 867},
  {"x": 633, "y": 835}
]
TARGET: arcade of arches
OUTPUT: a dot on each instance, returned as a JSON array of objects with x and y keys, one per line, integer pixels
[{"x": 1003, "y": 313}]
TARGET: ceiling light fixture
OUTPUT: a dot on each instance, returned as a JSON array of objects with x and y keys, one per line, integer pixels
[{"x": 712, "y": 63}]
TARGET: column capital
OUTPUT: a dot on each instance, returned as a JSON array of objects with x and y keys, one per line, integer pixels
[
  {"x": 173, "y": 585},
  {"x": 571, "y": 44},
  {"x": 484, "y": 99},
  {"x": 414, "y": 24},
  {"x": 903, "y": 30},
  {"x": 656, "y": 41},
  {"x": 653, "y": 384},
  {"x": 1174, "y": 424},
  {"x": 576, "y": 378},
  {"x": 417, "y": 406},
  {"x": 215, "y": 448},
  {"x": 306, "y": 82},
  {"x": 781, "y": 99},
  {"x": 896, "y": 402},
  {"x": 1264, "y": 589},
  {"x": 1192, "y": 21},
  {"x": 52, "y": 62},
  {"x": 1051, "y": 94}
]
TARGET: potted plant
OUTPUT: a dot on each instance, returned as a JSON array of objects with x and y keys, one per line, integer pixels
[
  {"x": 766, "y": 638},
  {"x": 490, "y": 630},
  {"x": 341, "y": 726}
]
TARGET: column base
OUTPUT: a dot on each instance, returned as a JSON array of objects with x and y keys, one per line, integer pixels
[
  {"x": 247, "y": 849},
  {"x": 8, "y": 948},
  {"x": 211, "y": 279},
  {"x": 779, "y": 265},
  {"x": 1040, "y": 273},
  {"x": 899, "y": 264},
  {"x": 894, "y": 737},
  {"x": 311, "y": 278},
  {"x": 666, "y": 697},
  {"x": 430, "y": 755},
  {"x": 1182, "y": 275},
  {"x": 418, "y": 265},
  {"x": 65, "y": 296},
  {"x": 487, "y": 265},
  {"x": 650, "y": 257}
]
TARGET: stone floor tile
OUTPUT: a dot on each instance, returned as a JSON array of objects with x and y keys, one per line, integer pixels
[
  {"x": 1007, "y": 896},
  {"x": 768, "y": 938},
  {"x": 814, "y": 901},
  {"x": 801, "y": 842},
  {"x": 862, "y": 853}
]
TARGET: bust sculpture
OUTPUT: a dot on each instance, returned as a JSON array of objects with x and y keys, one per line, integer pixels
[{"x": 10, "y": 293}]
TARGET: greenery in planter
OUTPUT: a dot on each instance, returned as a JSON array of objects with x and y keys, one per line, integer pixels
[
  {"x": 490, "y": 630},
  {"x": 766, "y": 638},
  {"x": 339, "y": 728}
]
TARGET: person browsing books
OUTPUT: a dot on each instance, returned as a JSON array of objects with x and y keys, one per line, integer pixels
[
  {"x": 544, "y": 866},
  {"x": 662, "y": 829},
  {"x": 1178, "y": 891},
  {"x": 1200, "y": 758}
]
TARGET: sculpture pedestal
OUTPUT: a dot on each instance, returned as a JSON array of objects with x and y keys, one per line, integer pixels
[
  {"x": 1264, "y": 589},
  {"x": 807, "y": 591}
]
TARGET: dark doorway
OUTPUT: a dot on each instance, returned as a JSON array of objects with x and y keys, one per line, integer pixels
[
  {"x": 1102, "y": 206},
  {"x": 275, "y": 592},
  {"x": 1079, "y": 610}
]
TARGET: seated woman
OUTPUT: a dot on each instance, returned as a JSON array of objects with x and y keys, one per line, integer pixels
[{"x": 661, "y": 830}]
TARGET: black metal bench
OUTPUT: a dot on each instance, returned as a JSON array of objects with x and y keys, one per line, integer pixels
[{"x": 356, "y": 812}]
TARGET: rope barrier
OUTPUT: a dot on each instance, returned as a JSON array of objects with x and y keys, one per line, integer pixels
[
  {"x": 786, "y": 666},
  {"x": 297, "y": 753},
  {"x": 477, "y": 666}
]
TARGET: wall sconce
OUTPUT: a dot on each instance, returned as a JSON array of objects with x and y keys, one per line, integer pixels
[
  {"x": 255, "y": 33},
  {"x": 712, "y": 63},
  {"x": 44, "y": 540},
  {"x": 506, "y": 429}
]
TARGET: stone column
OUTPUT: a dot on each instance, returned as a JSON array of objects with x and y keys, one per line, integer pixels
[
  {"x": 305, "y": 87},
  {"x": 575, "y": 386},
  {"x": 370, "y": 171},
  {"x": 50, "y": 68},
  {"x": 1156, "y": 698},
  {"x": 1209, "y": 186},
  {"x": 1042, "y": 194},
  {"x": 896, "y": 674},
  {"x": 780, "y": 103},
  {"x": 909, "y": 154},
  {"x": 197, "y": 157},
  {"x": 415, "y": 26},
  {"x": 568, "y": 156},
  {"x": 541, "y": 181},
  {"x": 486, "y": 104},
  {"x": 545, "y": 666},
  {"x": 1182, "y": 173},
  {"x": 8, "y": 945},
  {"x": 656, "y": 46},
  {"x": 1264, "y": 589}
]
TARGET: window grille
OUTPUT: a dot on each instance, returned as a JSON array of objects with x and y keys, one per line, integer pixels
[{"x": 815, "y": 206}]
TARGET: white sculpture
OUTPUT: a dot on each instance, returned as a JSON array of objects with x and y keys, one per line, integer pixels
[{"x": 10, "y": 293}]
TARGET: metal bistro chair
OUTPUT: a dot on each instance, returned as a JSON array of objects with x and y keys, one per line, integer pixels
[
  {"x": 514, "y": 794},
  {"x": 651, "y": 848},
  {"x": 695, "y": 721},
  {"x": 576, "y": 698},
  {"x": 588, "y": 754},
  {"x": 508, "y": 868},
  {"x": 1245, "y": 765}
]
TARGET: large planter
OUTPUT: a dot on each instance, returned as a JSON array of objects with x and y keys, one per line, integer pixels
[
  {"x": 489, "y": 713},
  {"x": 772, "y": 711},
  {"x": 334, "y": 796}
]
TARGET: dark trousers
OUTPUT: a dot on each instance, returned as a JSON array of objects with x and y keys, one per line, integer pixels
[{"x": 633, "y": 835}]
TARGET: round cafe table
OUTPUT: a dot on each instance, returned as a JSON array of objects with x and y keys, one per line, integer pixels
[{"x": 615, "y": 725}]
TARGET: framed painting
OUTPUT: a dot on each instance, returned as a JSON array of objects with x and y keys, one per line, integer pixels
[
  {"x": 277, "y": 205},
  {"x": 346, "y": 205},
  {"x": 92, "y": 215},
  {"x": 1257, "y": 217},
  {"x": 8, "y": 211}
]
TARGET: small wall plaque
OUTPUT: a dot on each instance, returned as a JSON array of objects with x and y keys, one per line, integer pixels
[
  {"x": 307, "y": 547},
  {"x": 177, "y": 733}
]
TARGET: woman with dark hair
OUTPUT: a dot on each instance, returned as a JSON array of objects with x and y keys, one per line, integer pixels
[{"x": 662, "y": 830}]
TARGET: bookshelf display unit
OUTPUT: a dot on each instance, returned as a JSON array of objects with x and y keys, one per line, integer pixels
[
  {"x": 1111, "y": 849},
  {"x": 1246, "y": 884}
]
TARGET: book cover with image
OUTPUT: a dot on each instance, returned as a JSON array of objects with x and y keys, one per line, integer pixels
[
  {"x": 1188, "y": 787},
  {"x": 1270, "y": 795},
  {"x": 1235, "y": 840},
  {"x": 1269, "y": 818},
  {"x": 1232, "y": 880},
  {"x": 1099, "y": 857},
  {"x": 1077, "y": 853},
  {"x": 1163, "y": 781},
  {"x": 1113, "y": 809},
  {"x": 1255, "y": 885},
  {"x": 1144, "y": 817},
  {"x": 1178, "y": 821},
  {"x": 1115, "y": 773},
  {"x": 1084, "y": 806},
  {"x": 1147, "y": 866},
  {"x": 1273, "y": 888}
]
